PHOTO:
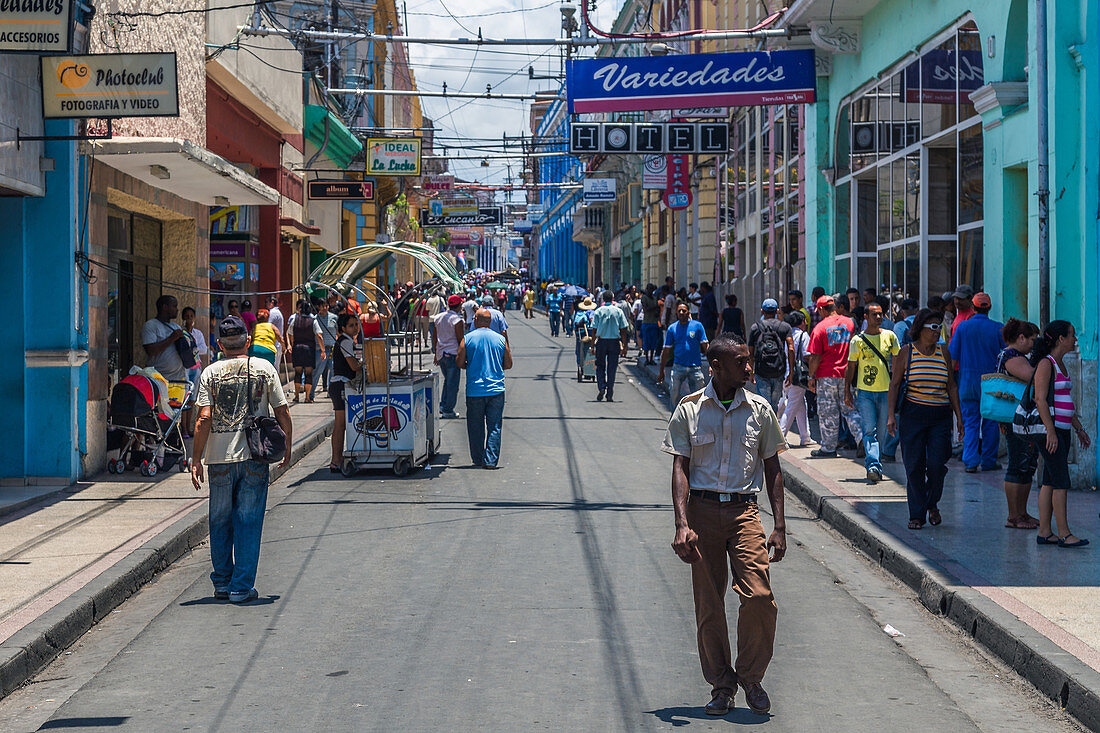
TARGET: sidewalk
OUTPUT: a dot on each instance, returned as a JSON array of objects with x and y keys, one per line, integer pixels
[
  {"x": 71, "y": 556},
  {"x": 1035, "y": 607}
]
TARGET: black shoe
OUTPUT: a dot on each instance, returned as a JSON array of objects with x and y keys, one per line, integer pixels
[
  {"x": 720, "y": 704},
  {"x": 610, "y": 399},
  {"x": 971, "y": 469},
  {"x": 822, "y": 453},
  {"x": 757, "y": 699},
  {"x": 221, "y": 595},
  {"x": 599, "y": 397}
]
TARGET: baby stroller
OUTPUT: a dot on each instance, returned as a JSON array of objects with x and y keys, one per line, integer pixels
[{"x": 143, "y": 436}]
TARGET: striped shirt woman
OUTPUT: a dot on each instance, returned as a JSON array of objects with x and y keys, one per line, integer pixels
[
  {"x": 1063, "y": 411},
  {"x": 927, "y": 378}
]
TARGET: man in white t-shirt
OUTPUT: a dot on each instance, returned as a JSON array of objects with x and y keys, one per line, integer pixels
[
  {"x": 448, "y": 328},
  {"x": 159, "y": 336},
  {"x": 232, "y": 390}
]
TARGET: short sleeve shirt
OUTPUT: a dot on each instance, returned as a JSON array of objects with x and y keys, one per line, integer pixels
[
  {"x": 872, "y": 373},
  {"x": 781, "y": 328},
  {"x": 684, "y": 340},
  {"x": 830, "y": 340},
  {"x": 608, "y": 319},
  {"x": 727, "y": 446},
  {"x": 484, "y": 362},
  {"x": 167, "y": 362},
  {"x": 224, "y": 387}
]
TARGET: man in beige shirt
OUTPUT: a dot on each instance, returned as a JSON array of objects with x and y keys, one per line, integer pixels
[{"x": 725, "y": 442}]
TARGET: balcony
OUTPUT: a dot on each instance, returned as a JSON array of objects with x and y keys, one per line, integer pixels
[{"x": 588, "y": 226}]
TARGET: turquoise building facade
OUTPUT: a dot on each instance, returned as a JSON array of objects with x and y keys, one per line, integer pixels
[{"x": 922, "y": 163}]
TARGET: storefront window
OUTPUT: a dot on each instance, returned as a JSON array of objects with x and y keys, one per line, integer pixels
[
  {"x": 939, "y": 91},
  {"x": 866, "y": 214},
  {"x": 842, "y": 229},
  {"x": 970, "y": 257},
  {"x": 971, "y": 180},
  {"x": 942, "y": 266},
  {"x": 885, "y": 204}
]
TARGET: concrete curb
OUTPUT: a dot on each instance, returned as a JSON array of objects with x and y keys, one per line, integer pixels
[
  {"x": 1053, "y": 671},
  {"x": 33, "y": 647}
]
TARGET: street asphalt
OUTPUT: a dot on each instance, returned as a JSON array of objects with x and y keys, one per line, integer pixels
[{"x": 542, "y": 596}]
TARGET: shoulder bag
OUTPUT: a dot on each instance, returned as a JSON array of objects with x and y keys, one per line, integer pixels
[
  {"x": 903, "y": 388},
  {"x": 1026, "y": 419},
  {"x": 878, "y": 354},
  {"x": 266, "y": 439}
]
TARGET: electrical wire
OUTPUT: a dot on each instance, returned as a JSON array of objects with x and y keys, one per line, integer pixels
[
  {"x": 495, "y": 12},
  {"x": 191, "y": 11},
  {"x": 676, "y": 35},
  {"x": 84, "y": 260}
]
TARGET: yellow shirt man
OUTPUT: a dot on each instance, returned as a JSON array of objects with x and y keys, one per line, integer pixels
[{"x": 872, "y": 372}]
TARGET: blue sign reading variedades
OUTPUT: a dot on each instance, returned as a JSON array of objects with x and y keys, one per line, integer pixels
[{"x": 695, "y": 80}]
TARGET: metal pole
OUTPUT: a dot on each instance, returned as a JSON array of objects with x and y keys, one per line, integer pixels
[
  {"x": 455, "y": 95},
  {"x": 1044, "y": 161}
]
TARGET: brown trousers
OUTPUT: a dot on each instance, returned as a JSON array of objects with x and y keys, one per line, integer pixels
[{"x": 733, "y": 530}]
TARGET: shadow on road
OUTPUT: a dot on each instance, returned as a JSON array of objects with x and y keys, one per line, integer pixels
[{"x": 681, "y": 716}]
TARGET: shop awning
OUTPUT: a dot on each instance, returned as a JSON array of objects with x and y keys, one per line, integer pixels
[
  {"x": 187, "y": 170},
  {"x": 354, "y": 264},
  {"x": 341, "y": 146},
  {"x": 296, "y": 228}
]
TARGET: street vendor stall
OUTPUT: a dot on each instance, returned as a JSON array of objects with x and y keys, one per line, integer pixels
[{"x": 392, "y": 408}]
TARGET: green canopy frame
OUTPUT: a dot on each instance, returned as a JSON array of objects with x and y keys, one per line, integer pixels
[{"x": 352, "y": 265}]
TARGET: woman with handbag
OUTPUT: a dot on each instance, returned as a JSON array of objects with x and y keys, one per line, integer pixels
[
  {"x": 1054, "y": 403},
  {"x": 793, "y": 406},
  {"x": 1023, "y": 455},
  {"x": 922, "y": 399},
  {"x": 583, "y": 332}
]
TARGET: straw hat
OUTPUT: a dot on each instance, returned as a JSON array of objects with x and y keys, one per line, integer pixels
[{"x": 586, "y": 304}]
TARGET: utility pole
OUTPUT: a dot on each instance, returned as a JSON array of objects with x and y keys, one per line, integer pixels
[{"x": 1044, "y": 161}]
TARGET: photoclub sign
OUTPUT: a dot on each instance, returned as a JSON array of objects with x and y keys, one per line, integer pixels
[
  {"x": 393, "y": 156},
  {"x": 691, "y": 80},
  {"x": 36, "y": 26},
  {"x": 110, "y": 85}
]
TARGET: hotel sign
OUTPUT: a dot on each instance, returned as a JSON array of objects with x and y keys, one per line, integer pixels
[
  {"x": 687, "y": 138},
  {"x": 110, "y": 85},
  {"x": 691, "y": 80},
  {"x": 36, "y": 26}
]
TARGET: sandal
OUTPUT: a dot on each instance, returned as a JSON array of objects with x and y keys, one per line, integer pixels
[
  {"x": 915, "y": 524},
  {"x": 934, "y": 517},
  {"x": 332, "y": 468},
  {"x": 1050, "y": 539},
  {"x": 1021, "y": 522},
  {"x": 1079, "y": 543}
]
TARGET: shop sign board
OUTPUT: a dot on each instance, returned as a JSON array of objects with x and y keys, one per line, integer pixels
[
  {"x": 485, "y": 216},
  {"x": 702, "y": 112},
  {"x": 42, "y": 26},
  {"x": 438, "y": 183},
  {"x": 393, "y": 156},
  {"x": 442, "y": 208},
  {"x": 599, "y": 190},
  {"x": 523, "y": 226},
  {"x": 466, "y": 236},
  {"x": 694, "y": 138},
  {"x": 932, "y": 77},
  {"x": 110, "y": 85},
  {"x": 677, "y": 185},
  {"x": 622, "y": 84},
  {"x": 654, "y": 171},
  {"x": 340, "y": 190}
]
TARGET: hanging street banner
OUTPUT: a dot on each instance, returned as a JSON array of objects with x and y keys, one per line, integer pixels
[
  {"x": 687, "y": 138},
  {"x": 677, "y": 183},
  {"x": 110, "y": 85},
  {"x": 485, "y": 216},
  {"x": 654, "y": 172},
  {"x": 393, "y": 156},
  {"x": 691, "y": 80},
  {"x": 36, "y": 26},
  {"x": 340, "y": 190}
]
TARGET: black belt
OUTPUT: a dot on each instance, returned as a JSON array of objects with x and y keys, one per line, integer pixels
[{"x": 724, "y": 496}]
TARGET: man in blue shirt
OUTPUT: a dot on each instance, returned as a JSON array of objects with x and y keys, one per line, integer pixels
[
  {"x": 553, "y": 309},
  {"x": 484, "y": 354},
  {"x": 685, "y": 343},
  {"x": 612, "y": 336},
  {"x": 974, "y": 346},
  {"x": 498, "y": 323}
]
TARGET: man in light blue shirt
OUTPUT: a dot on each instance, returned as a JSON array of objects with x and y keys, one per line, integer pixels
[
  {"x": 553, "y": 309},
  {"x": 612, "y": 334},
  {"x": 484, "y": 354},
  {"x": 685, "y": 344}
]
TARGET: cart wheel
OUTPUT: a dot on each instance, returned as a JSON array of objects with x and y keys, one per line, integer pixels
[
  {"x": 184, "y": 464},
  {"x": 401, "y": 466},
  {"x": 144, "y": 468},
  {"x": 348, "y": 468},
  {"x": 149, "y": 468},
  {"x": 111, "y": 465},
  {"x": 120, "y": 466}
]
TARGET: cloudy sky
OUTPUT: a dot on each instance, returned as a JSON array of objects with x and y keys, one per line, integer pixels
[{"x": 469, "y": 69}]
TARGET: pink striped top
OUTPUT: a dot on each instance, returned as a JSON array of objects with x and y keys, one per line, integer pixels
[{"x": 1063, "y": 400}]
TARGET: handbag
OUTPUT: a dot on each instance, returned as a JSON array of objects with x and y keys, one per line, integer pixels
[
  {"x": 800, "y": 374},
  {"x": 266, "y": 439},
  {"x": 903, "y": 388},
  {"x": 1026, "y": 419},
  {"x": 1001, "y": 393},
  {"x": 185, "y": 347}
]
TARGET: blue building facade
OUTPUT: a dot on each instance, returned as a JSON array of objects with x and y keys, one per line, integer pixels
[{"x": 559, "y": 255}]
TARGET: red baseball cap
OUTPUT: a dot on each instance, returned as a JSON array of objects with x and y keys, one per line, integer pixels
[
  {"x": 981, "y": 300},
  {"x": 824, "y": 300},
  {"x": 454, "y": 300}
]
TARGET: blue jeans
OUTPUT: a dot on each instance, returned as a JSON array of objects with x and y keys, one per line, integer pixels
[
  {"x": 238, "y": 498},
  {"x": 771, "y": 389},
  {"x": 872, "y": 413},
  {"x": 981, "y": 437},
  {"x": 322, "y": 369},
  {"x": 484, "y": 417},
  {"x": 555, "y": 321},
  {"x": 677, "y": 375},
  {"x": 567, "y": 322},
  {"x": 451, "y": 376}
]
